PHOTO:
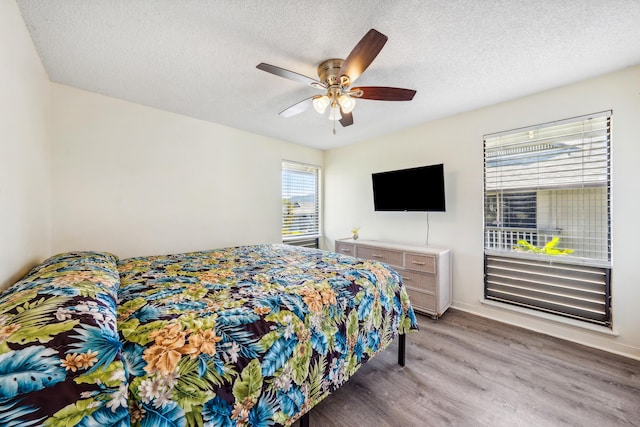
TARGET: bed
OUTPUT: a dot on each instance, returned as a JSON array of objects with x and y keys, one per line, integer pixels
[{"x": 242, "y": 336}]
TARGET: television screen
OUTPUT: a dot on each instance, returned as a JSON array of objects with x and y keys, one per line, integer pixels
[{"x": 418, "y": 189}]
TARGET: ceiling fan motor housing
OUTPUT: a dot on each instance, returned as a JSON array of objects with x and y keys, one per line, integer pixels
[{"x": 329, "y": 73}]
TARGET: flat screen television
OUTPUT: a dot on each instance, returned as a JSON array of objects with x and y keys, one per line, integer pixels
[{"x": 418, "y": 189}]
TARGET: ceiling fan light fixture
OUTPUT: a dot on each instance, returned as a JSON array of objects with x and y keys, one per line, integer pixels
[
  {"x": 334, "y": 113},
  {"x": 320, "y": 103},
  {"x": 346, "y": 103}
]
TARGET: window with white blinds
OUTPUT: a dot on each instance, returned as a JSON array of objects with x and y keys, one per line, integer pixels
[
  {"x": 547, "y": 215},
  {"x": 300, "y": 201}
]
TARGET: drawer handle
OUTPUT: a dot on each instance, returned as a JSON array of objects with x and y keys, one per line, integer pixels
[
  {"x": 346, "y": 250},
  {"x": 376, "y": 256},
  {"x": 406, "y": 279},
  {"x": 418, "y": 263}
]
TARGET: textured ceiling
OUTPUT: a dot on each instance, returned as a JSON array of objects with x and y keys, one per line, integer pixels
[{"x": 198, "y": 58}]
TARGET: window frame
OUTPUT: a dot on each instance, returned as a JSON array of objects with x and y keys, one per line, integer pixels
[
  {"x": 305, "y": 227},
  {"x": 578, "y": 287}
]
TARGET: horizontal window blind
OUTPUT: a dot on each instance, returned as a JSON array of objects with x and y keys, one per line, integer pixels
[
  {"x": 547, "y": 217},
  {"x": 300, "y": 201},
  {"x": 566, "y": 154},
  {"x": 566, "y": 164}
]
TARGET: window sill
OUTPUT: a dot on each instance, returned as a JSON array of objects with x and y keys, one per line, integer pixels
[
  {"x": 303, "y": 237},
  {"x": 557, "y": 319}
]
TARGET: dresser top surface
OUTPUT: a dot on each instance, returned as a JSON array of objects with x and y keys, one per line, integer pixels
[{"x": 398, "y": 246}]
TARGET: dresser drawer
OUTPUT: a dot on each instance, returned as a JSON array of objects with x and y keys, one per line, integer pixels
[
  {"x": 421, "y": 281},
  {"x": 419, "y": 262},
  {"x": 387, "y": 256},
  {"x": 346, "y": 248},
  {"x": 421, "y": 301},
  {"x": 425, "y": 271}
]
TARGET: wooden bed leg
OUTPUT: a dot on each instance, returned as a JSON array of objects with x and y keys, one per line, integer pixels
[
  {"x": 401, "y": 348},
  {"x": 304, "y": 420}
]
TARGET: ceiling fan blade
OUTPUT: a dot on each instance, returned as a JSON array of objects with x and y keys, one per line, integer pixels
[
  {"x": 281, "y": 72},
  {"x": 383, "y": 93},
  {"x": 347, "y": 118},
  {"x": 363, "y": 54},
  {"x": 297, "y": 108}
]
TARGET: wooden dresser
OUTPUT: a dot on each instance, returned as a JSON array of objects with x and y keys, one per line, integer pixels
[{"x": 425, "y": 271}]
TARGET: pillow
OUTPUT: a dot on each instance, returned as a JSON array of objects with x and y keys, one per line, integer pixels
[{"x": 60, "y": 356}]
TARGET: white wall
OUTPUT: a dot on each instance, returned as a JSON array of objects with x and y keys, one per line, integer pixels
[
  {"x": 134, "y": 180},
  {"x": 25, "y": 196},
  {"x": 457, "y": 142}
]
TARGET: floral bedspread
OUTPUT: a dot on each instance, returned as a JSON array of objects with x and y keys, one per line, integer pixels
[
  {"x": 60, "y": 359},
  {"x": 250, "y": 336}
]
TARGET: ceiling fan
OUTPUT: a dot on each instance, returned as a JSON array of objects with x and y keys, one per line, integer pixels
[{"x": 336, "y": 77}]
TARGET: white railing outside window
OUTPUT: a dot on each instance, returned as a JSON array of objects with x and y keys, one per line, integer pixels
[{"x": 506, "y": 239}]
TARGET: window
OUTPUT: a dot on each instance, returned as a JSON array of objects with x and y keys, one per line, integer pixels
[
  {"x": 300, "y": 204},
  {"x": 548, "y": 217}
]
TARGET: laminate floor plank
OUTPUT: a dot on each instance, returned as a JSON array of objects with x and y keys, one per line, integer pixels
[{"x": 466, "y": 370}]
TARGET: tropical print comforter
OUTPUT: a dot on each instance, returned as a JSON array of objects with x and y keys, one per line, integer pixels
[
  {"x": 60, "y": 354},
  {"x": 250, "y": 336}
]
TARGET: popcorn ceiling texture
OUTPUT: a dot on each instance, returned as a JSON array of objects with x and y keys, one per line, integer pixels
[{"x": 198, "y": 58}]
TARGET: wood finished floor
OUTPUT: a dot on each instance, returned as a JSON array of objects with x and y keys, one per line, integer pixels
[{"x": 465, "y": 370}]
